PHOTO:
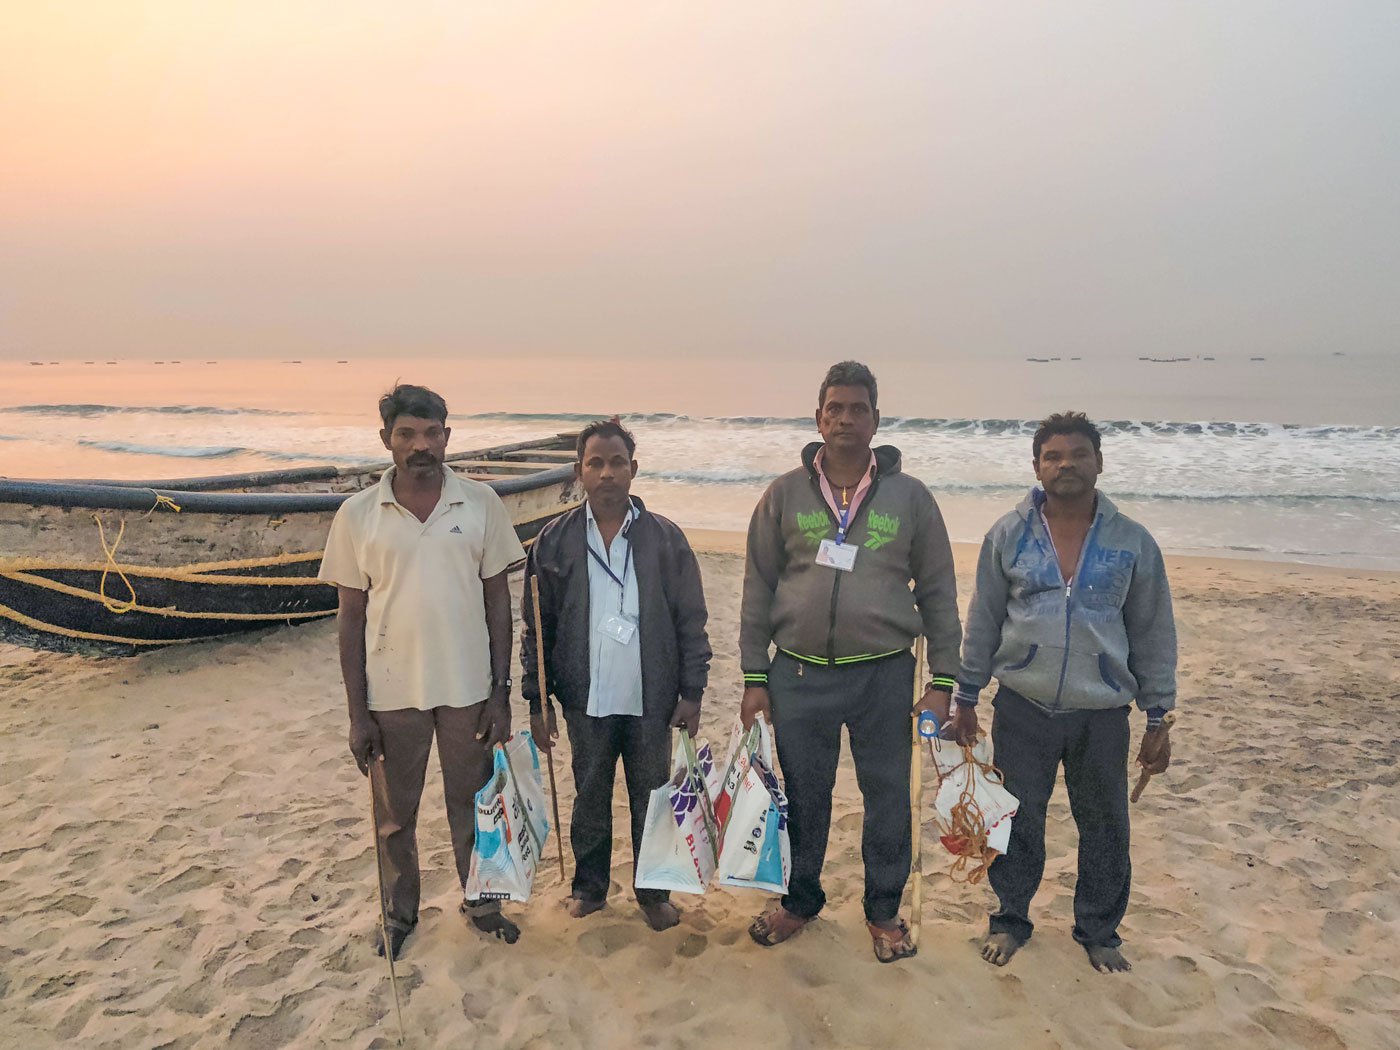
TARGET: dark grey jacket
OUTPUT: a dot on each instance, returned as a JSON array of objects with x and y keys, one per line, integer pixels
[
  {"x": 823, "y": 615},
  {"x": 671, "y": 613}
]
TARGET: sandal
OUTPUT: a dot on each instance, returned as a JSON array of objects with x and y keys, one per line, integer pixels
[
  {"x": 893, "y": 944},
  {"x": 775, "y": 926}
]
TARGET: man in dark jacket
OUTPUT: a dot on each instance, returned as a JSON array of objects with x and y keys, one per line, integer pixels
[{"x": 625, "y": 650}]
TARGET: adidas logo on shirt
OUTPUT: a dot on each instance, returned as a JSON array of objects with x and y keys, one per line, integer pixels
[{"x": 457, "y": 529}]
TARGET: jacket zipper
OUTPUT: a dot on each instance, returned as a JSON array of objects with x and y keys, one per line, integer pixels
[
  {"x": 1069, "y": 590},
  {"x": 836, "y": 584}
]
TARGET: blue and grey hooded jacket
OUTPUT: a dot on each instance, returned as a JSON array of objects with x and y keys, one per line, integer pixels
[{"x": 1102, "y": 640}]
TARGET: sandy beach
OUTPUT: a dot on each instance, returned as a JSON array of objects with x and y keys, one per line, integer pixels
[{"x": 187, "y": 862}]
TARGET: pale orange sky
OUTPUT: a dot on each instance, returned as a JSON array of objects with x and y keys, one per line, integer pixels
[{"x": 350, "y": 178}]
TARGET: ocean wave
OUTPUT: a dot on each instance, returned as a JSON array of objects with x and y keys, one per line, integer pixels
[
  {"x": 169, "y": 410},
  {"x": 224, "y": 451},
  {"x": 177, "y": 451},
  {"x": 316, "y": 458},
  {"x": 738, "y": 476},
  {"x": 971, "y": 427}
]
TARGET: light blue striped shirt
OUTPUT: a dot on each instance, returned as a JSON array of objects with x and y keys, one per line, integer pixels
[{"x": 614, "y": 669}]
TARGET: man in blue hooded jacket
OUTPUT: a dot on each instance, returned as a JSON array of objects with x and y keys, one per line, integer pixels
[{"x": 1073, "y": 616}]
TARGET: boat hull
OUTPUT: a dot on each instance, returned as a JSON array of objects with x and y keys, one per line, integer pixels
[{"x": 114, "y": 570}]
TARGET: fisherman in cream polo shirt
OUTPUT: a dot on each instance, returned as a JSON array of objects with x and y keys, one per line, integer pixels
[{"x": 420, "y": 562}]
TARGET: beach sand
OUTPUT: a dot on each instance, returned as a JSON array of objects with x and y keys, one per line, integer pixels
[{"x": 186, "y": 861}]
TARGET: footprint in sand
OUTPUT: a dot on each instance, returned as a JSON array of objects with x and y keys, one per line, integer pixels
[
  {"x": 603, "y": 942},
  {"x": 1297, "y": 1030},
  {"x": 693, "y": 945}
]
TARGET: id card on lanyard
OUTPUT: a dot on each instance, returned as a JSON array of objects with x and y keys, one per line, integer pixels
[{"x": 838, "y": 554}]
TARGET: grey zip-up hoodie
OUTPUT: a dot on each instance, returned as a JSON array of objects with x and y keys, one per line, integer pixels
[
  {"x": 1101, "y": 641},
  {"x": 826, "y": 616}
]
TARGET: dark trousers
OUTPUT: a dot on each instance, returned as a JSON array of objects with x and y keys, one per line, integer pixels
[
  {"x": 810, "y": 705},
  {"x": 1029, "y": 746},
  {"x": 466, "y": 767},
  {"x": 644, "y": 745}
]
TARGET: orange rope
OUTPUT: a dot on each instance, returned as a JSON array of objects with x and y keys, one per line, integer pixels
[{"x": 967, "y": 832}]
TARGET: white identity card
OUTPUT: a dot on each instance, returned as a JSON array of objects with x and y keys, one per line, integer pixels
[
  {"x": 837, "y": 555},
  {"x": 618, "y": 628}
]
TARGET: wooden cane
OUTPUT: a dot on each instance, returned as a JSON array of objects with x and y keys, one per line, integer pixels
[
  {"x": 1167, "y": 722},
  {"x": 534, "y": 586},
  {"x": 383, "y": 904},
  {"x": 916, "y": 805}
]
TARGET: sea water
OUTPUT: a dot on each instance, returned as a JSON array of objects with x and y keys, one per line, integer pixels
[{"x": 1294, "y": 460}]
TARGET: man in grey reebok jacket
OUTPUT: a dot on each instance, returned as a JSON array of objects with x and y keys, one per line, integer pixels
[{"x": 1073, "y": 616}]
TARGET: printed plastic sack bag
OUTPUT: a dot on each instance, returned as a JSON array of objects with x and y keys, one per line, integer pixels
[
  {"x": 511, "y": 824},
  {"x": 755, "y": 851},
  {"x": 743, "y": 745},
  {"x": 678, "y": 850}
]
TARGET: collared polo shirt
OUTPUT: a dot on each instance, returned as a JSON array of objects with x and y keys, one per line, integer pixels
[
  {"x": 426, "y": 643},
  {"x": 614, "y": 669}
]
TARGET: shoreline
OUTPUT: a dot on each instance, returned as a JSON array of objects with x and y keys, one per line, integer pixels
[{"x": 726, "y": 541}]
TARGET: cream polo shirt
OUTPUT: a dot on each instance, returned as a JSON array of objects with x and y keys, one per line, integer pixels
[{"x": 426, "y": 643}]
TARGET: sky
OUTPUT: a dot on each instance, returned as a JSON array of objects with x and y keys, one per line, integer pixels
[{"x": 645, "y": 180}]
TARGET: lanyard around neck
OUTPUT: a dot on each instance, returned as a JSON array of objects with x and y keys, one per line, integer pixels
[{"x": 606, "y": 563}]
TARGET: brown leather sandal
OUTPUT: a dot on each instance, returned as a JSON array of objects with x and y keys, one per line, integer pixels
[
  {"x": 775, "y": 926},
  {"x": 893, "y": 944}
]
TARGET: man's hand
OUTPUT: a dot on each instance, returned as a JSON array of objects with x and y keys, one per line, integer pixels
[
  {"x": 755, "y": 702},
  {"x": 493, "y": 726},
  {"x": 939, "y": 701},
  {"x": 543, "y": 727},
  {"x": 965, "y": 725},
  {"x": 1155, "y": 754},
  {"x": 686, "y": 716},
  {"x": 366, "y": 742}
]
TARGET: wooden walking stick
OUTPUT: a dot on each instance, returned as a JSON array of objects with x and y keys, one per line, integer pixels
[
  {"x": 916, "y": 805},
  {"x": 1167, "y": 722},
  {"x": 383, "y": 905},
  {"x": 534, "y": 585}
]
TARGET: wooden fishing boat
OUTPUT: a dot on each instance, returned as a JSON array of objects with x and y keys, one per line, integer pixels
[{"x": 119, "y": 567}]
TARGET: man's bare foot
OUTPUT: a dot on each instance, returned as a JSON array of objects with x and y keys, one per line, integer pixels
[
  {"x": 1106, "y": 959},
  {"x": 662, "y": 915},
  {"x": 495, "y": 924},
  {"x": 998, "y": 948},
  {"x": 578, "y": 907}
]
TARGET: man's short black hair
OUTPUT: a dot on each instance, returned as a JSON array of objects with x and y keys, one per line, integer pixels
[
  {"x": 408, "y": 400},
  {"x": 606, "y": 428},
  {"x": 1063, "y": 423},
  {"x": 848, "y": 373}
]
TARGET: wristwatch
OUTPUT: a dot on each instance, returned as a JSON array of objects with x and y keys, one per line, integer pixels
[{"x": 496, "y": 683}]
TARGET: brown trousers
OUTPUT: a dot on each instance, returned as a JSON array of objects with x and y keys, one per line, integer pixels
[{"x": 466, "y": 767}]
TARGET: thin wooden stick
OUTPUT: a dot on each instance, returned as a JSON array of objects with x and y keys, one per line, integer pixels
[
  {"x": 916, "y": 804},
  {"x": 383, "y": 905},
  {"x": 534, "y": 585},
  {"x": 1167, "y": 722}
]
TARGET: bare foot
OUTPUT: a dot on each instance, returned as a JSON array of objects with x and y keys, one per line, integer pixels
[
  {"x": 662, "y": 915},
  {"x": 578, "y": 907},
  {"x": 1107, "y": 960},
  {"x": 998, "y": 948}
]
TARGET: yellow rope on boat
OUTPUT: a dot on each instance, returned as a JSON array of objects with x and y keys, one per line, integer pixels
[
  {"x": 120, "y": 608},
  {"x": 169, "y": 611},
  {"x": 89, "y": 636}
]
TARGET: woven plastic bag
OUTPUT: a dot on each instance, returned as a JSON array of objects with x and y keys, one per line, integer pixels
[
  {"x": 679, "y": 850},
  {"x": 512, "y": 824}
]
